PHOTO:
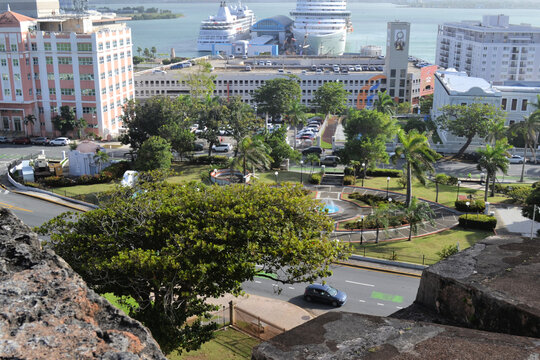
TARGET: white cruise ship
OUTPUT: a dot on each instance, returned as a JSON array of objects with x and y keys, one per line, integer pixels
[
  {"x": 320, "y": 26},
  {"x": 231, "y": 23}
]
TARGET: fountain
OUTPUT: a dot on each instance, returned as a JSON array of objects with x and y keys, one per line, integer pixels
[{"x": 330, "y": 206}]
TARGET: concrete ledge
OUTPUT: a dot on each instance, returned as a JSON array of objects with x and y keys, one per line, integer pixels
[{"x": 388, "y": 262}]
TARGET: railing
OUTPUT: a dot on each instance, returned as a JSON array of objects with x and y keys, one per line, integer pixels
[{"x": 254, "y": 325}]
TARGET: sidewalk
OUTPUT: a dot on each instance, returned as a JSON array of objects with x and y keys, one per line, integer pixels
[{"x": 510, "y": 221}]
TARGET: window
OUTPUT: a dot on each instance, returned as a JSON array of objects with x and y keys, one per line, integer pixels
[
  {"x": 38, "y": 92},
  {"x": 2, "y": 47},
  {"x": 18, "y": 92},
  {"x": 122, "y": 55},
  {"x": 30, "y": 92},
  {"x": 105, "y": 108},
  {"x": 7, "y": 92},
  {"x": 35, "y": 61},
  {"x": 121, "y": 42},
  {"x": 27, "y": 61},
  {"x": 100, "y": 46},
  {"x": 13, "y": 47},
  {"x": 84, "y": 47},
  {"x": 109, "y": 73},
  {"x": 34, "y": 47},
  {"x": 47, "y": 46},
  {"x": 36, "y": 76},
  {"x": 117, "y": 87},
  {"x": 3, "y": 62},
  {"x": 88, "y": 92},
  {"x": 66, "y": 76},
  {"x": 104, "y": 90},
  {"x": 129, "y": 53},
  {"x": 101, "y": 60},
  {"x": 15, "y": 62},
  {"x": 108, "y": 58},
  {"x": 116, "y": 72},
  {"x": 88, "y": 110},
  {"x": 67, "y": 91},
  {"x": 514, "y": 104},
  {"x": 85, "y": 61},
  {"x": 114, "y": 44},
  {"x": 87, "y": 76},
  {"x": 17, "y": 77},
  {"x": 63, "y": 46},
  {"x": 503, "y": 104},
  {"x": 524, "y": 105},
  {"x": 102, "y": 76},
  {"x": 107, "y": 45},
  {"x": 115, "y": 57},
  {"x": 124, "y": 83},
  {"x": 130, "y": 81},
  {"x": 49, "y": 60},
  {"x": 5, "y": 77},
  {"x": 65, "y": 61},
  {"x": 111, "y": 88},
  {"x": 52, "y": 91},
  {"x": 128, "y": 41}
]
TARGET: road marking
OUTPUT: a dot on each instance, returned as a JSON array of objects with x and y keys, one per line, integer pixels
[
  {"x": 386, "y": 297},
  {"x": 362, "y": 301},
  {"x": 290, "y": 287},
  {"x": 8, "y": 206},
  {"x": 358, "y": 283},
  {"x": 257, "y": 281},
  {"x": 399, "y": 307},
  {"x": 6, "y": 191},
  {"x": 276, "y": 285},
  {"x": 380, "y": 304}
]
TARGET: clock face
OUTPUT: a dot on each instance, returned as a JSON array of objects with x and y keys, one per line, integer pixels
[{"x": 399, "y": 40}]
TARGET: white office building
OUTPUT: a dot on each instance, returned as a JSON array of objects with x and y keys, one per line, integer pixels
[{"x": 492, "y": 49}]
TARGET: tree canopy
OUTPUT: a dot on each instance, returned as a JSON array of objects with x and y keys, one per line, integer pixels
[
  {"x": 493, "y": 158},
  {"x": 330, "y": 98},
  {"x": 155, "y": 153},
  {"x": 370, "y": 123},
  {"x": 171, "y": 247},
  {"x": 277, "y": 95},
  {"x": 280, "y": 150},
  {"x": 65, "y": 121},
  {"x": 468, "y": 121}
]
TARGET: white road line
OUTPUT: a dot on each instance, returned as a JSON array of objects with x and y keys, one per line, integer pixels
[
  {"x": 275, "y": 285},
  {"x": 257, "y": 281},
  {"x": 6, "y": 192},
  {"x": 358, "y": 283},
  {"x": 290, "y": 287},
  {"x": 399, "y": 307},
  {"x": 380, "y": 304},
  {"x": 362, "y": 301}
]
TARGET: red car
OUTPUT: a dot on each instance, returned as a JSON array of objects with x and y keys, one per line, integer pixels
[{"x": 21, "y": 141}]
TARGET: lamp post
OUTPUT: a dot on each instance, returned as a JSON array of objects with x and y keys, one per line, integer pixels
[
  {"x": 458, "y": 184},
  {"x": 387, "y": 185},
  {"x": 276, "y": 173},
  {"x": 362, "y": 231},
  {"x": 482, "y": 177},
  {"x": 467, "y": 213},
  {"x": 436, "y": 190},
  {"x": 363, "y": 177},
  {"x": 302, "y": 172},
  {"x": 322, "y": 168}
]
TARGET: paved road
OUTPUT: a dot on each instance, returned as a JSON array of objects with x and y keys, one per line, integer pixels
[{"x": 369, "y": 292}]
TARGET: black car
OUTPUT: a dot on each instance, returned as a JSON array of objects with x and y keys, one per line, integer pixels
[
  {"x": 325, "y": 294},
  {"x": 198, "y": 147},
  {"x": 313, "y": 150},
  {"x": 330, "y": 160}
]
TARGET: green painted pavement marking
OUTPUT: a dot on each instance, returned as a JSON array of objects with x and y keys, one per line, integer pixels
[
  {"x": 267, "y": 275},
  {"x": 387, "y": 297}
]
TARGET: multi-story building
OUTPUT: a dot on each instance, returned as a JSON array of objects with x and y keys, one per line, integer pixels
[
  {"x": 79, "y": 61},
  {"x": 31, "y": 8},
  {"x": 491, "y": 49}
]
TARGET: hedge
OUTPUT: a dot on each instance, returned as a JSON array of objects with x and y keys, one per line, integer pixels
[
  {"x": 60, "y": 181},
  {"x": 208, "y": 160},
  {"x": 370, "y": 223},
  {"x": 384, "y": 172},
  {"x": 118, "y": 169},
  {"x": 446, "y": 179},
  {"x": 348, "y": 171},
  {"x": 474, "y": 205},
  {"x": 315, "y": 179},
  {"x": 372, "y": 200},
  {"x": 483, "y": 222},
  {"x": 349, "y": 180}
]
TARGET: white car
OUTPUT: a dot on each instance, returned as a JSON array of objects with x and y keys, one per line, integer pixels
[
  {"x": 516, "y": 159},
  {"x": 223, "y": 147},
  {"x": 61, "y": 141}
]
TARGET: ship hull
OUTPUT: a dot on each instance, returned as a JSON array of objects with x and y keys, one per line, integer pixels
[{"x": 321, "y": 44}]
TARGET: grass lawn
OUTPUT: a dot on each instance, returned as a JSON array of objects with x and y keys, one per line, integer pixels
[
  {"x": 412, "y": 251},
  {"x": 187, "y": 172},
  {"x": 283, "y": 176},
  {"x": 228, "y": 344},
  {"x": 447, "y": 193},
  {"x": 83, "y": 189}
]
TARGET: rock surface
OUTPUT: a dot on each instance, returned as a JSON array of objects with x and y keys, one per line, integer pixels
[
  {"x": 48, "y": 312},
  {"x": 344, "y": 336}
]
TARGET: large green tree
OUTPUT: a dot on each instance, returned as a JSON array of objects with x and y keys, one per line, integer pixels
[
  {"x": 241, "y": 120},
  {"x": 172, "y": 247},
  {"x": 280, "y": 150},
  {"x": 254, "y": 153},
  {"x": 529, "y": 129},
  {"x": 369, "y": 123},
  {"x": 493, "y": 158},
  {"x": 155, "y": 153},
  {"x": 365, "y": 150},
  {"x": 330, "y": 98},
  {"x": 468, "y": 121},
  {"x": 426, "y": 103},
  {"x": 201, "y": 81},
  {"x": 65, "y": 121},
  {"x": 384, "y": 103},
  {"x": 277, "y": 95},
  {"x": 212, "y": 115},
  {"x": 419, "y": 157},
  {"x": 296, "y": 115}
]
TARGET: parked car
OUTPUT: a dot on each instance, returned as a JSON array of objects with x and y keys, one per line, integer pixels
[
  {"x": 325, "y": 294},
  {"x": 330, "y": 160},
  {"x": 3, "y": 140},
  {"x": 223, "y": 147},
  {"x": 40, "y": 140},
  {"x": 313, "y": 150},
  {"x": 22, "y": 140},
  {"x": 198, "y": 147},
  {"x": 516, "y": 159},
  {"x": 61, "y": 141}
]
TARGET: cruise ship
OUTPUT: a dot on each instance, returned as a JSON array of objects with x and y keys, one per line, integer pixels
[
  {"x": 320, "y": 26},
  {"x": 231, "y": 23}
]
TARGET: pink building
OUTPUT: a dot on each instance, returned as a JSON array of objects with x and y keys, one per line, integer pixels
[{"x": 84, "y": 62}]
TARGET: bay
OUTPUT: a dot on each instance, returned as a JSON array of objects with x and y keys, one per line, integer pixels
[{"x": 369, "y": 22}]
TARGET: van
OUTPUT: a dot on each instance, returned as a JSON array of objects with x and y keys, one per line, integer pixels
[{"x": 268, "y": 63}]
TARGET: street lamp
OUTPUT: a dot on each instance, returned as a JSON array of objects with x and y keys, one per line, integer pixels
[
  {"x": 302, "y": 172},
  {"x": 363, "y": 177},
  {"x": 467, "y": 213},
  {"x": 362, "y": 231},
  {"x": 387, "y": 185},
  {"x": 436, "y": 190},
  {"x": 458, "y": 185},
  {"x": 322, "y": 168},
  {"x": 482, "y": 177},
  {"x": 276, "y": 173}
]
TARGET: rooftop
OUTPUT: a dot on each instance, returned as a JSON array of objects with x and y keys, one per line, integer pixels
[{"x": 458, "y": 82}]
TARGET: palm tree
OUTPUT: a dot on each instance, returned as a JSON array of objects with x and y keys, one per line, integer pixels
[
  {"x": 380, "y": 216},
  {"x": 312, "y": 158},
  {"x": 29, "y": 119},
  {"x": 139, "y": 50},
  {"x": 384, "y": 103},
  {"x": 536, "y": 115},
  {"x": 419, "y": 157},
  {"x": 493, "y": 158},
  {"x": 417, "y": 213},
  {"x": 497, "y": 132},
  {"x": 529, "y": 128},
  {"x": 254, "y": 152},
  {"x": 80, "y": 124},
  {"x": 101, "y": 158},
  {"x": 153, "y": 50},
  {"x": 296, "y": 115}
]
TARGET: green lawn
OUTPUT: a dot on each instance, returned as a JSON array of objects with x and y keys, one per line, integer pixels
[
  {"x": 187, "y": 172},
  {"x": 83, "y": 189},
  {"x": 428, "y": 246},
  {"x": 447, "y": 193},
  {"x": 228, "y": 344},
  {"x": 283, "y": 176}
]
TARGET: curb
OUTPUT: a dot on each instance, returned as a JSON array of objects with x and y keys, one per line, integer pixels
[
  {"x": 72, "y": 206},
  {"x": 374, "y": 268}
]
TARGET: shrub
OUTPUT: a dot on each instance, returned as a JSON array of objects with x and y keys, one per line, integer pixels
[
  {"x": 370, "y": 223},
  {"x": 484, "y": 222},
  {"x": 383, "y": 172},
  {"x": 528, "y": 208},
  {"x": 536, "y": 184},
  {"x": 447, "y": 251},
  {"x": 58, "y": 181},
  {"x": 474, "y": 205},
  {"x": 348, "y": 171},
  {"x": 372, "y": 200},
  {"x": 33, "y": 184},
  {"x": 212, "y": 159},
  {"x": 349, "y": 180},
  {"x": 520, "y": 194},
  {"x": 402, "y": 181},
  {"x": 446, "y": 179},
  {"x": 118, "y": 169},
  {"x": 315, "y": 179}
]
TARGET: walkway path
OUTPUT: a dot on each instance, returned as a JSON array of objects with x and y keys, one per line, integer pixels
[{"x": 445, "y": 217}]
